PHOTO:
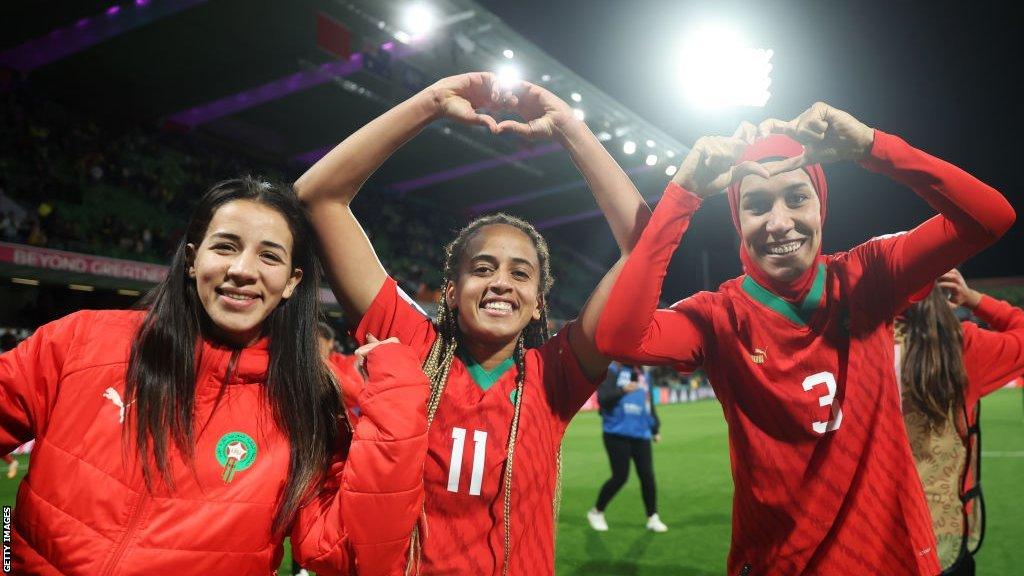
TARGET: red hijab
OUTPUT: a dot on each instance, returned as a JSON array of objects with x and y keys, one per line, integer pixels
[{"x": 777, "y": 147}]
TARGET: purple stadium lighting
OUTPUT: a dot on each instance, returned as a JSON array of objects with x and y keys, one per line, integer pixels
[
  {"x": 507, "y": 201},
  {"x": 466, "y": 169},
  {"x": 87, "y": 32},
  {"x": 570, "y": 218},
  {"x": 275, "y": 89}
]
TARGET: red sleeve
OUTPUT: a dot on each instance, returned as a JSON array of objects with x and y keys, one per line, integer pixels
[
  {"x": 566, "y": 386},
  {"x": 381, "y": 492},
  {"x": 972, "y": 215},
  {"x": 995, "y": 356},
  {"x": 29, "y": 379},
  {"x": 632, "y": 329},
  {"x": 349, "y": 380},
  {"x": 393, "y": 313}
]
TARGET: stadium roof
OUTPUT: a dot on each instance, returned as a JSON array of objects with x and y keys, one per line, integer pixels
[{"x": 288, "y": 80}]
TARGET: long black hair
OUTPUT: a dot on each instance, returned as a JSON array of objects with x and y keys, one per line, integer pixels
[{"x": 161, "y": 377}]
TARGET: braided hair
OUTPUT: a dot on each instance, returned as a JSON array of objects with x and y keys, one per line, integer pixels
[{"x": 439, "y": 360}]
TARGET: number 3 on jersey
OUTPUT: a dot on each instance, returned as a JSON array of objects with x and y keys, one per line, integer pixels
[
  {"x": 827, "y": 399},
  {"x": 455, "y": 465}
]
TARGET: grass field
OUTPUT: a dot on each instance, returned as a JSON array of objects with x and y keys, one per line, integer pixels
[{"x": 695, "y": 496}]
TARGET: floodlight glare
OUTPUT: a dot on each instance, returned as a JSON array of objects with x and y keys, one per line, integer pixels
[
  {"x": 670, "y": 154},
  {"x": 508, "y": 54},
  {"x": 651, "y": 160},
  {"x": 670, "y": 170},
  {"x": 603, "y": 136},
  {"x": 717, "y": 69},
  {"x": 509, "y": 77},
  {"x": 629, "y": 147},
  {"x": 650, "y": 143},
  {"x": 579, "y": 114},
  {"x": 545, "y": 78},
  {"x": 419, "y": 20},
  {"x": 576, "y": 97},
  {"x": 403, "y": 37}
]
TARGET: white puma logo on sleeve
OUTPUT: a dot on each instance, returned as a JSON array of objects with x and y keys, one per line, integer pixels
[{"x": 113, "y": 396}]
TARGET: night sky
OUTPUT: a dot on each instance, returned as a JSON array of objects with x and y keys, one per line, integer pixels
[{"x": 943, "y": 77}]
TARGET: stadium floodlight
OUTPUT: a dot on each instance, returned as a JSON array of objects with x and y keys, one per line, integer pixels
[
  {"x": 579, "y": 114},
  {"x": 418, "y": 20},
  {"x": 576, "y": 97},
  {"x": 718, "y": 69},
  {"x": 509, "y": 76},
  {"x": 629, "y": 146},
  {"x": 403, "y": 37},
  {"x": 508, "y": 53},
  {"x": 545, "y": 78},
  {"x": 670, "y": 154},
  {"x": 651, "y": 159},
  {"x": 603, "y": 136},
  {"x": 650, "y": 143},
  {"x": 670, "y": 170}
]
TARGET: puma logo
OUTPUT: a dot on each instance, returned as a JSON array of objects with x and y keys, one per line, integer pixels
[
  {"x": 113, "y": 396},
  {"x": 759, "y": 356}
]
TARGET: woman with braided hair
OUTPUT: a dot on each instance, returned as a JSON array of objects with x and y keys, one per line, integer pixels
[{"x": 502, "y": 392}]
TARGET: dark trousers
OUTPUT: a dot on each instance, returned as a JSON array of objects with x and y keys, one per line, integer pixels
[{"x": 622, "y": 449}]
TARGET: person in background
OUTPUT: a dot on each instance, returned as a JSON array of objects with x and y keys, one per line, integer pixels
[
  {"x": 944, "y": 367},
  {"x": 630, "y": 423},
  {"x": 12, "y": 466}
]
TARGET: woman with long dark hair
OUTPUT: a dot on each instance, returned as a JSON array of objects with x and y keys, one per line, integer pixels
[
  {"x": 502, "y": 391},
  {"x": 800, "y": 348},
  {"x": 193, "y": 435},
  {"x": 945, "y": 366}
]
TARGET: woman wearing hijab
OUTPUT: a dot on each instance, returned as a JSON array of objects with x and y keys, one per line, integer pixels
[{"x": 800, "y": 348}]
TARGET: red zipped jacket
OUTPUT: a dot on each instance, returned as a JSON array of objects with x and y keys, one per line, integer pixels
[{"x": 83, "y": 508}]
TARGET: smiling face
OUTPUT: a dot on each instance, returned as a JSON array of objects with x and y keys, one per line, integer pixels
[
  {"x": 243, "y": 268},
  {"x": 780, "y": 223},
  {"x": 496, "y": 291}
]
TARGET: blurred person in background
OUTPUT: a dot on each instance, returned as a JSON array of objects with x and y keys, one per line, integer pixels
[
  {"x": 944, "y": 367},
  {"x": 630, "y": 423}
]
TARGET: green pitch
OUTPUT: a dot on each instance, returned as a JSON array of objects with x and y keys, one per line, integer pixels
[{"x": 695, "y": 496}]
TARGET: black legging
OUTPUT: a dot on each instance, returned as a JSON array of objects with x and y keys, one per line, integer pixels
[{"x": 620, "y": 450}]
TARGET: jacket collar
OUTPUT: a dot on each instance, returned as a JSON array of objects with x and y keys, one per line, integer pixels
[{"x": 250, "y": 363}]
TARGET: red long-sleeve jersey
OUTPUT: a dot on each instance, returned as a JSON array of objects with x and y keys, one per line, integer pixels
[
  {"x": 824, "y": 479},
  {"x": 468, "y": 449}
]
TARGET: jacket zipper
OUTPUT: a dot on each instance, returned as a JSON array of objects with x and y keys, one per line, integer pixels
[{"x": 133, "y": 524}]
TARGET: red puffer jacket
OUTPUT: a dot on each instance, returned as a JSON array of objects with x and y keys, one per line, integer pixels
[{"x": 84, "y": 508}]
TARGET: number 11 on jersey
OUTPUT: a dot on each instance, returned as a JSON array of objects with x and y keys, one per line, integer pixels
[{"x": 455, "y": 463}]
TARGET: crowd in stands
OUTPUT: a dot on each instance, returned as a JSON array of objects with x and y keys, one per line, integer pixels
[{"x": 78, "y": 182}]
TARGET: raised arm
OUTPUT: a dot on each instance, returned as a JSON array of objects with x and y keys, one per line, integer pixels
[
  {"x": 328, "y": 188},
  {"x": 547, "y": 116},
  {"x": 632, "y": 329},
  {"x": 994, "y": 356}
]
